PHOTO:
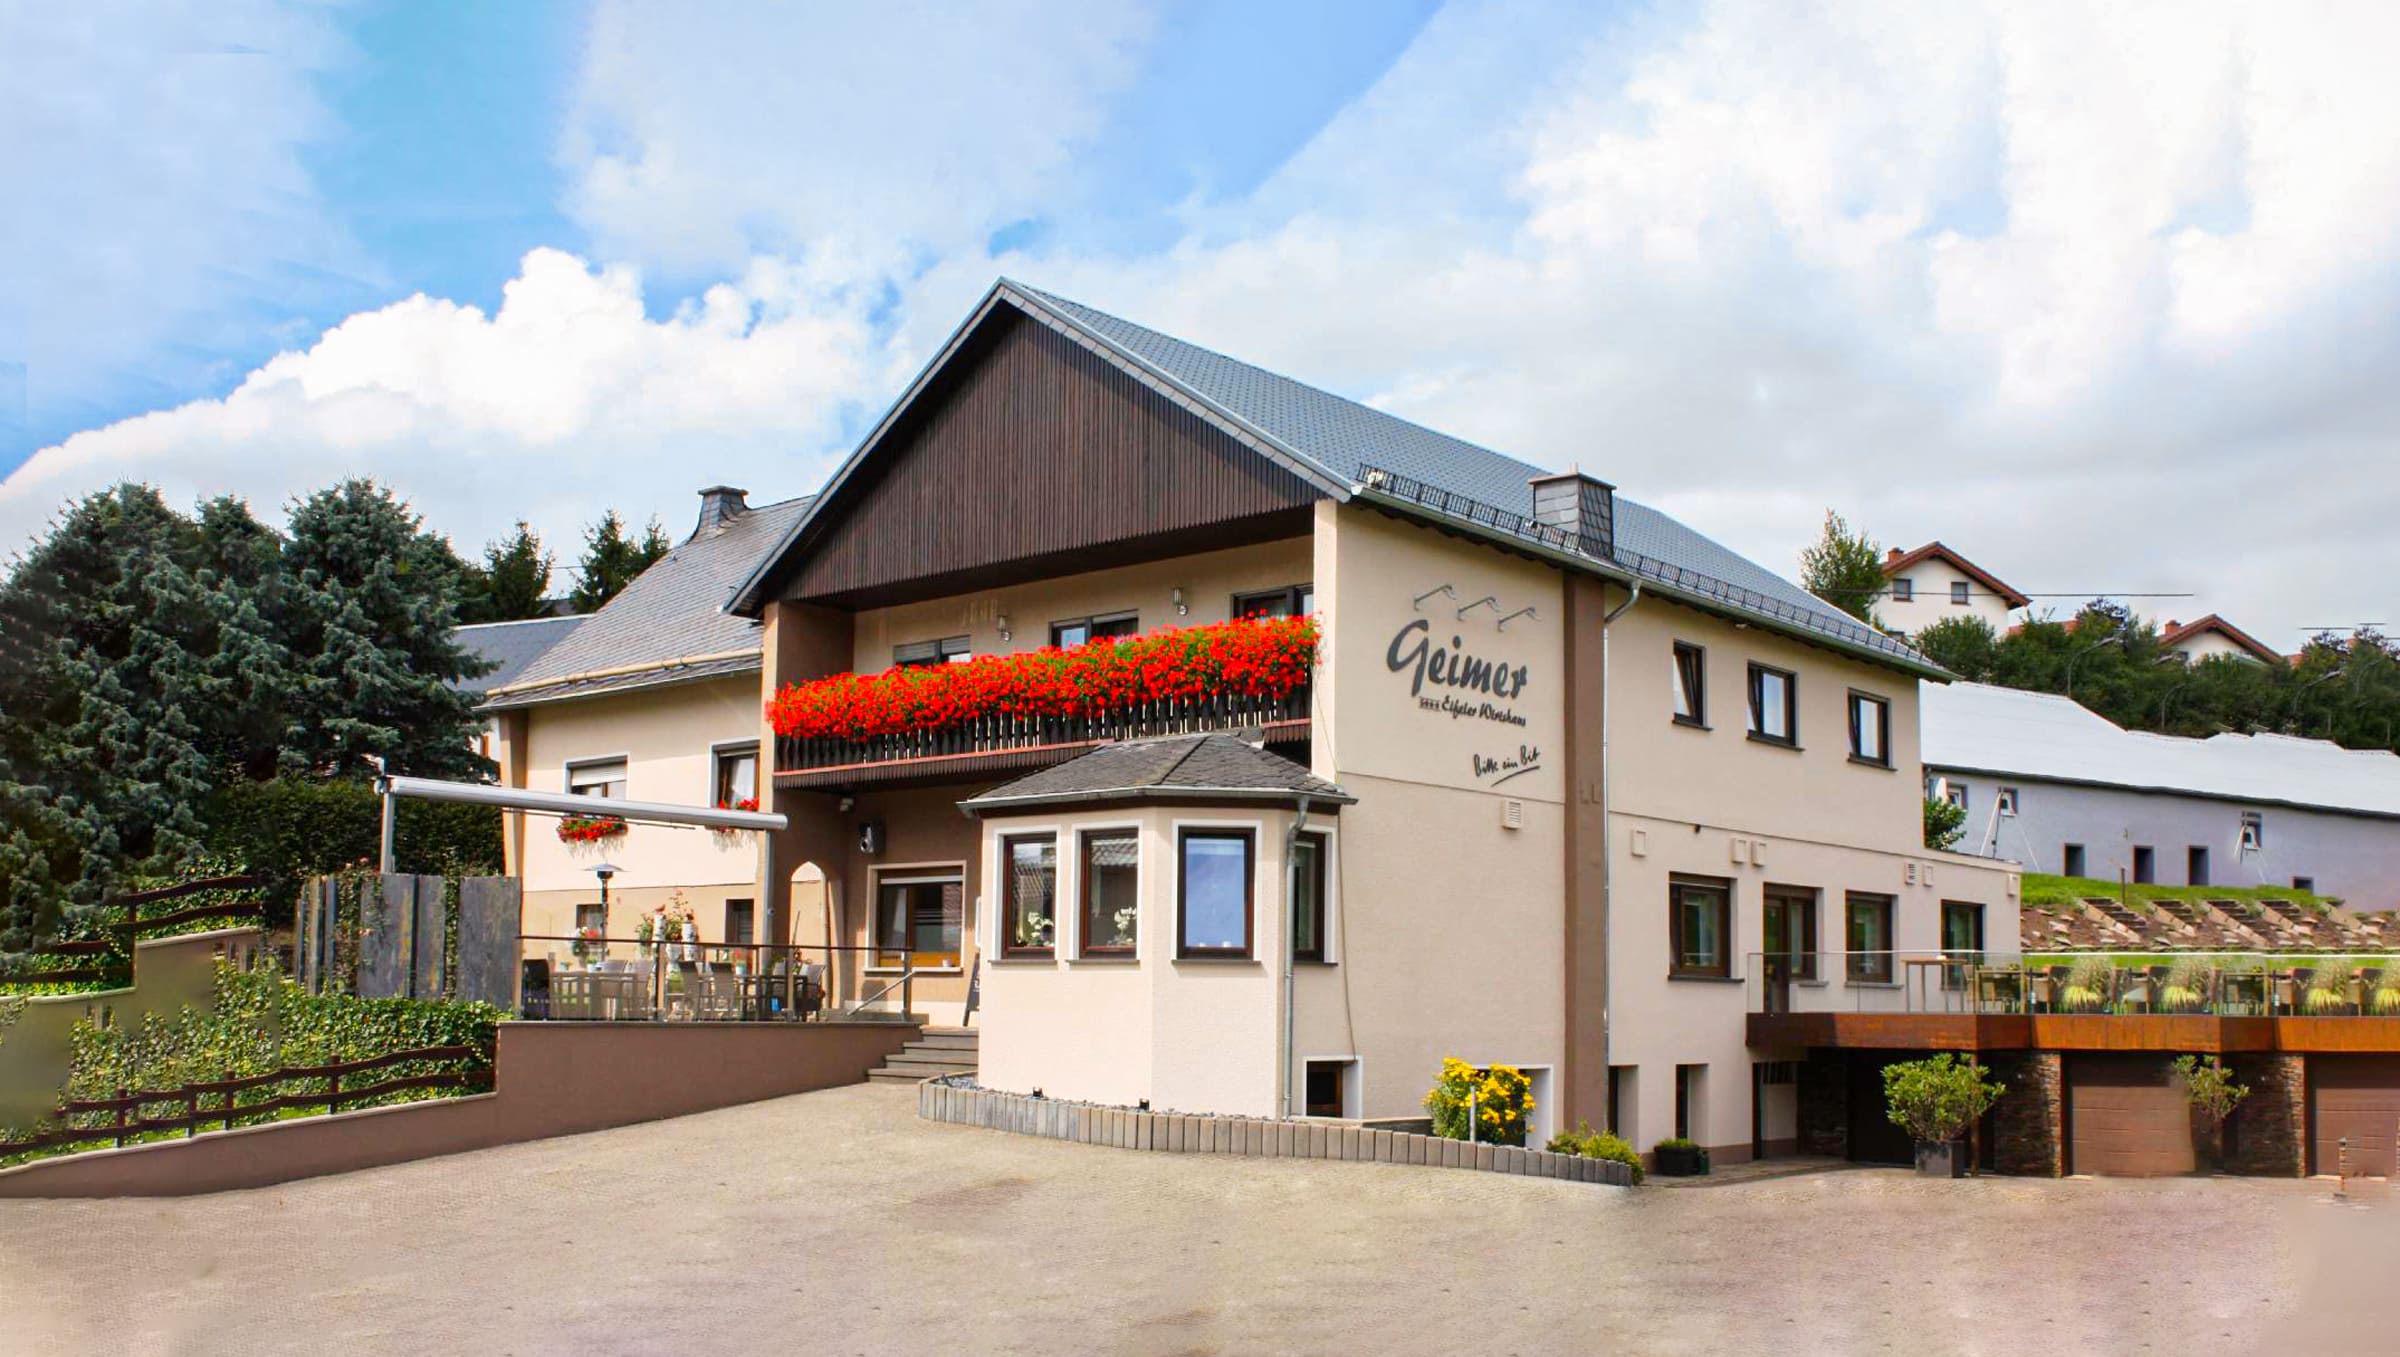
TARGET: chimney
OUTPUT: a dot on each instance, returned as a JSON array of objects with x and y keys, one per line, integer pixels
[
  {"x": 1892, "y": 555},
  {"x": 1584, "y": 508},
  {"x": 720, "y": 505}
]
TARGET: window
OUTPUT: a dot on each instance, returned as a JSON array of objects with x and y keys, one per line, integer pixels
[
  {"x": 1077, "y": 630},
  {"x": 1700, "y": 916},
  {"x": 736, "y": 779},
  {"x": 1956, "y": 794},
  {"x": 2305, "y": 883},
  {"x": 1871, "y": 729},
  {"x": 1868, "y": 937},
  {"x": 1691, "y": 1084},
  {"x": 948, "y": 650},
  {"x": 2008, "y": 801},
  {"x": 1298, "y": 600},
  {"x": 2145, "y": 865},
  {"x": 1774, "y": 715},
  {"x": 601, "y": 777},
  {"x": 1958, "y": 592},
  {"x": 593, "y": 917},
  {"x": 2254, "y": 831},
  {"x": 1789, "y": 934},
  {"x": 1691, "y": 684},
  {"x": 2195, "y": 866},
  {"x": 1213, "y": 884},
  {"x": 1309, "y": 857},
  {"x": 741, "y": 921},
  {"x": 1028, "y": 895},
  {"x": 1328, "y": 1087},
  {"x": 1904, "y": 591},
  {"x": 917, "y": 920},
  {"x": 2071, "y": 861},
  {"x": 1111, "y": 886},
  {"x": 1962, "y": 929}
]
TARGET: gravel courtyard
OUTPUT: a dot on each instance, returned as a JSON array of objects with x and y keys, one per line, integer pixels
[{"x": 837, "y": 1223}]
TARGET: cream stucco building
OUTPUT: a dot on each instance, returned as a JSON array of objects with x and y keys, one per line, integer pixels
[
  {"x": 1570, "y": 786},
  {"x": 1934, "y": 584}
]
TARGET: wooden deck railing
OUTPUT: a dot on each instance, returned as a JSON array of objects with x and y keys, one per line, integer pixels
[{"x": 106, "y": 958}]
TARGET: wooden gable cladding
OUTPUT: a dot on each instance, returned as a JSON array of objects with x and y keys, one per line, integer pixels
[{"x": 1030, "y": 455}]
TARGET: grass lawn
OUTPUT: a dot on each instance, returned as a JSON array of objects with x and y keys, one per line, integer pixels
[{"x": 2042, "y": 890}]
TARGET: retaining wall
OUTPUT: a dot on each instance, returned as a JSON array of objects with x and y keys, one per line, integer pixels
[
  {"x": 1178, "y": 1133},
  {"x": 549, "y": 1079}
]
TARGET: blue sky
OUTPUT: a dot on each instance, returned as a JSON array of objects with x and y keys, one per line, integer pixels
[{"x": 1980, "y": 272}]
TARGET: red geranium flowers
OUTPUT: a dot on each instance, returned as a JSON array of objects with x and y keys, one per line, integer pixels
[
  {"x": 1260, "y": 658},
  {"x": 588, "y": 828}
]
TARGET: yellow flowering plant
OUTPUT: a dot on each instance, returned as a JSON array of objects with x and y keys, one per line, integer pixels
[{"x": 1501, "y": 1099}]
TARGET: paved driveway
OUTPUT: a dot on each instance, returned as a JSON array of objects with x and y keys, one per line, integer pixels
[{"x": 837, "y": 1223}]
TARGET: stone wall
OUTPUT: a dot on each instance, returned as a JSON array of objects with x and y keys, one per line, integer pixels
[
  {"x": 2267, "y": 1134},
  {"x": 2030, "y": 1119},
  {"x": 1128, "y": 1128}
]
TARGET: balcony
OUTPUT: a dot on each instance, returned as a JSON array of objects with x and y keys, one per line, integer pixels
[
  {"x": 2095, "y": 1001},
  {"x": 1008, "y": 745},
  {"x": 1001, "y": 715}
]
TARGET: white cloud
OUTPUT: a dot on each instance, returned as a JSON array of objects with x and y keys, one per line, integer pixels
[
  {"x": 565, "y": 401},
  {"x": 876, "y": 136}
]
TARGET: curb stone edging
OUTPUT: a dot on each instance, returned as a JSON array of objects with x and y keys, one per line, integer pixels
[{"x": 1251, "y": 1137}]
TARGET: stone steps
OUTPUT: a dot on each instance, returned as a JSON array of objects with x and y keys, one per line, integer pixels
[{"x": 937, "y": 1051}]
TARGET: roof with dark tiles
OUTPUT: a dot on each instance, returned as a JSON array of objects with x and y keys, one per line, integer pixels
[
  {"x": 510, "y": 645},
  {"x": 1179, "y": 767}
]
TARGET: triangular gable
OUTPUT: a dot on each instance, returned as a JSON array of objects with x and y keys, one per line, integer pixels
[{"x": 1029, "y": 442}]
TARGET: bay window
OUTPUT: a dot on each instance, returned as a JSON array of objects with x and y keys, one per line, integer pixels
[
  {"x": 1111, "y": 886},
  {"x": 1213, "y": 892},
  {"x": 1028, "y": 895}
]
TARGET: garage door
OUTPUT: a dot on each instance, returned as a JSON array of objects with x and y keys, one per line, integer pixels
[
  {"x": 2356, "y": 1096},
  {"x": 2127, "y": 1119}
]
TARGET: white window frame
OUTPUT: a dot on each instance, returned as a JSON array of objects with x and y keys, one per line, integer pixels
[
  {"x": 1264, "y": 897},
  {"x": 566, "y": 773},
  {"x": 2254, "y": 831},
  {"x": 1070, "y": 932},
  {"x": 716, "y": 753},
  {"x": 1354, "y": 1085},
  {"x": 1331, "y": 945},
  {"x": 970, "y": 921},
  {"x": 2007, "y": 803}
]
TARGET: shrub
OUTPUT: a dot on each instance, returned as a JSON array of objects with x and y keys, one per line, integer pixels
[
  {"x": 1502, "y": 1099},
  {"x": 2090, "y": 984},
  {"x": 2187, "y": 985},
  {"x": 1677, "y": 1143},
  {"x": 1591, "y": 1144},
  {"x": 262, "y": 1022},
  {"x": 2211, "y": 1087},
  {"x": 2385, "y": 998},
  {"x": 289, "y": 828},
  {"x": 2329, "y": 985},
  {"x": 1936, "y": 1099},
  {"x": 1944, "y": 824}
]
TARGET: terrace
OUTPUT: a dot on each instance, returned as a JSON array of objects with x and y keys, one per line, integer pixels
[
  {"x": 1000, "y": 714},
  {"x": 2114, "y": 1001}
]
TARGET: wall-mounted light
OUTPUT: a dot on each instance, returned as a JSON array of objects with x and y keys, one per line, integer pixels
[
  {"x": 1181, "y": 607},
  {"x": 1005, "y": 633}
]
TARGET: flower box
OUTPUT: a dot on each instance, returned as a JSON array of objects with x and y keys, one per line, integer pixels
[
  {"x": 1250, "y": 660},
  {"x": 589, "y": 828}
]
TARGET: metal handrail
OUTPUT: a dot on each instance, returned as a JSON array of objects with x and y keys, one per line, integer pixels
[
  {"x": 907, "y": 983},
  {"x": 2230, "y": 983}
]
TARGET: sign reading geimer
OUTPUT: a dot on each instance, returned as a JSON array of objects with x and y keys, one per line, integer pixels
[{"x": 1476, "y": 680}]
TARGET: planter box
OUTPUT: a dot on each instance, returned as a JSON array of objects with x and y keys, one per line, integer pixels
[
  {"x": 1681, "y": 1163},
  {"x": 1942, "y": 1159}
]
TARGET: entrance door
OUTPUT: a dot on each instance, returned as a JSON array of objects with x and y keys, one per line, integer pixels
[
  {"x": 1873, "y": 1137},
  {"x": 2127, "y": 1118},
  {"x": 1962, "y": 940},
  {"x": 1789, "y": 936},
  {"x": 2357, "y": 1096}
]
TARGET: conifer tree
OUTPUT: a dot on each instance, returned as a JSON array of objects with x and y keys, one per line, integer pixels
[
  {"x": 611, "y": 560},
  {"x": 514, "y": 580}
]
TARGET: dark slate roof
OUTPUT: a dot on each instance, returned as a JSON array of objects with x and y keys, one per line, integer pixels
[
  {"x": 510, "y": 645},
  {"x": 1344, "y": 439},
  {"x": 669, "y": 625},
  {"x": 1180, "y": 767}
]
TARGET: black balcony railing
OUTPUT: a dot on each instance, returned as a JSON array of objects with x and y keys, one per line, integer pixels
[{"x": 1002, "y": 734}]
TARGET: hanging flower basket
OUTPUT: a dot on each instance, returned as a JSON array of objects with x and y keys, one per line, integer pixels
[
  {"x": 729, "y": 837},
  {"x": 589, "y": 828},
  {"x": 1262, "y": 658}
]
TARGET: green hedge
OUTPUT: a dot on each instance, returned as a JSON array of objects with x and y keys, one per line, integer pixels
[
  {"x": 262, "y": 1022},
  {"x": 290, "y": 828}
]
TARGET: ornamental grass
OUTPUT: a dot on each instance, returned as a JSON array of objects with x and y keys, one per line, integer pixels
[{"x": 1264, "y": 658}]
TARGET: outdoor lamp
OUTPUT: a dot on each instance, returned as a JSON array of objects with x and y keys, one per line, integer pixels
[
  {"x": 1004, "y": 632},
  {"x": 1180, "y": 606},
  {"x": 604, "y": 871}
]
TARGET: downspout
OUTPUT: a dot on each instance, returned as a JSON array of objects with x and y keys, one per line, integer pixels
[
  {"x": 1291, "y": 892},
  {"x": 1608, "y": 851}
]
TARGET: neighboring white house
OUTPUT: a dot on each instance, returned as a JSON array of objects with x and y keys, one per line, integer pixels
[
  {"x": 2057, "y": 788},
  {"x": 2210, "y": 637},
  {"x": 1934, "y": 583}
]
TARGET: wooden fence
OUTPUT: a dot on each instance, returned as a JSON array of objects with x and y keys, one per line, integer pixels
[
  {"x": 114, "y": 948},
  {"x": 127, "y": 1119}
]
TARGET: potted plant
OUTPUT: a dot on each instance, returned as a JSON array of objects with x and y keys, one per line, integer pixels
[
  {"x": 2332, "y": 987},
  {"x": 2384, "y": 999},
  {"x": 2091, "y": 983},
  {"x": 1935, "y": 1100},
  {"x": 1678, "y": 1157},
  {"x": 2187, "y": 986},
  {"x": 2214, "y": 1095}
]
